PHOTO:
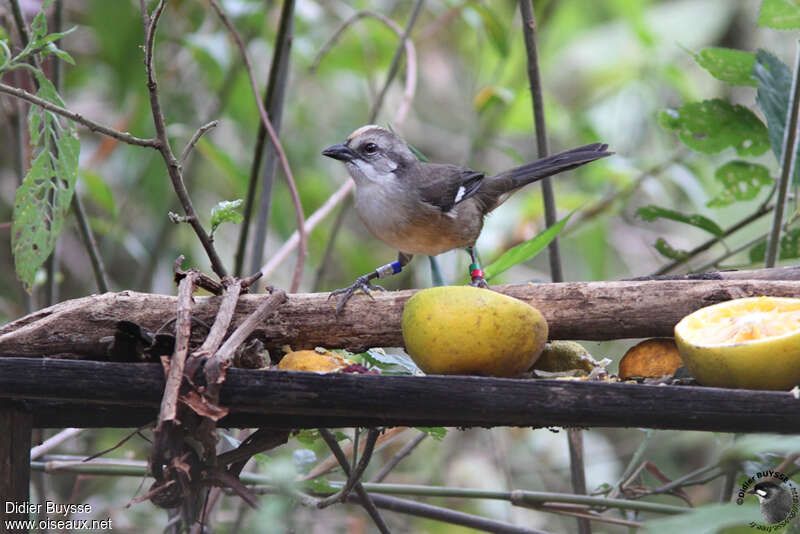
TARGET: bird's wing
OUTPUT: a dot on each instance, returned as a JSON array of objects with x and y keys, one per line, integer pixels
[{"x": 447, "y": 185}]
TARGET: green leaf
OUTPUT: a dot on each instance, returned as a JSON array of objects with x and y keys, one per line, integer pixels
[
  {"x": 774, "y": 84},
  {"x": 41, "y": 204},
  {"x": 307, "y": 437},
  {"x": 711, "y": 126},
  {"x": 56, "y": 51},
  {"x": 390, "y": 362},
  {"x": 436, "y": 432},
  {"x": 666, "y": 250},
  {"x": 44, "y": 197},
  {"x": 780, "y": 14},
  {"x": 98, "y": 191},
  {"x": 741, "y": 180},
  {"x": 731, "y": 66},
  {"x": 497, "y": 32},
  {"x": 525, "y": 251},
  {"x": 652, "y": 213},
  {"x": 319, "y": 485},
  {"x": 789, "y": 248},
  {"x": 753, "y": 445},
  {"x": 225, "y": 211}
]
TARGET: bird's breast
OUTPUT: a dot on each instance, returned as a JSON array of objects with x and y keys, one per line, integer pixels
[{"x": 416, "y": 228}]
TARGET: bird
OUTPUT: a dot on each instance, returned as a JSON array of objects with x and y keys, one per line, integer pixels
[
  {"x": 774, "y": 500},
  {"x": 427, "y": 208}
]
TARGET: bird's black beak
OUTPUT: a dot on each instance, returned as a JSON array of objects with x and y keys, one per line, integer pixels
[{"x": 341, "y": 152}]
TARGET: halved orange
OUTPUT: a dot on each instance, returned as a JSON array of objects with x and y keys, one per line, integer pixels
[{"x": 750, "y": 343}]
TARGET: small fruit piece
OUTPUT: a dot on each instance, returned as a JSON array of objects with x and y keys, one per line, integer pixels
[
  {"x": 652, "y": 358},
  {"x": 470, "y": 331},
  {"x": 751, "y": 343},
  {"x": 562, "y": 356},
  {"x": 313, "y": 361}
]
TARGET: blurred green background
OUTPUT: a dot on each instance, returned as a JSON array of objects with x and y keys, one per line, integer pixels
[{"x": 608, "y": 68}]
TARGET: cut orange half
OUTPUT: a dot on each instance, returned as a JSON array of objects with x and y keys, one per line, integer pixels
[{"x": 750, "y": 343}]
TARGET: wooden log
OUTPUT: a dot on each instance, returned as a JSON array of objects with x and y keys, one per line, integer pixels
[
  {"x": 574, "y": 310},
  {"x": 88, "y": 393},
  {"x": 15, "y": 457}
]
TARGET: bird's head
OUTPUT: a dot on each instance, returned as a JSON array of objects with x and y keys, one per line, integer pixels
[
  {"x": 765, "y": 490},
  {"x": 372, "y": 154}
]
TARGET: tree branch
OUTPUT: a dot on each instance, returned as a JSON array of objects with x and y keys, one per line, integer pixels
[
  {"x": 77, "y": 117},
  {"x": 173, "y": 166}
]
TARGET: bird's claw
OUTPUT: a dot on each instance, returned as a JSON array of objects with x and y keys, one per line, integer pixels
[
  {"x": 363, "y": 283},
  {"x": 479, "y": 282}
]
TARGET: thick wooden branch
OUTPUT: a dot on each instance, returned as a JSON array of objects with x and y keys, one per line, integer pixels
[
  {"x": 88, "y": 393},
  {"x": 574, "y": 310}
]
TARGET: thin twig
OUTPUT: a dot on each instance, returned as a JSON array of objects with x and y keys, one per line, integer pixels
[
  {"x": 732, "y": 252},
  {"x": 366, "y": 500},
  {"x": 398, "y": 55},
  {"x": 438, "y": 513},
  {"x": 173, "y": 166},
  {"x": 760, "y": 212},
  {"x": 411, "y": 57},
  {"x": 98, "y": 268},
  {"x": 183, "y": 325},
  {"x": 574, "y": 437},
  {"x": 550, "y": 215},
  {"x": 788, "y": 158},
  {"x": 287, "y": 171},
  {"x": 77, "y": 117},
  {"x": 54, "y": 441},
  {"x": 290, "y": 244},
  {"x": 354, "y": 476},
  {"x": 195, "y": 138},
  {"x": 274, "y": 101},
  {"x": 397, "y": 458},
  {"x": 605, "y": 203}
]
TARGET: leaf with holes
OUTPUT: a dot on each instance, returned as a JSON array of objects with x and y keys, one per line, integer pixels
[
  {"x": 525, "y": 251},
  {"x": 652, "y": 213},
  {"x": 711, "y": 126},
  {"x": 774, "y": 84},
  {"x": 741, "y": 180},
  {"x": 42, "y": 202},
  {"x": 731, "y": 66},
  {"x": 780, "y": 14}
]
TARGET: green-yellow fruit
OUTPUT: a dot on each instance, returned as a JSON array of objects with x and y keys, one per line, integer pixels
[{"x": 469, "y": 331}]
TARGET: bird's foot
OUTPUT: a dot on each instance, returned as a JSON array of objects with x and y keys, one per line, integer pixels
[
  {"x": 476, "y": 273},
  {"x": 479, "y": 282},
  {"x": 363, "y": 283}
]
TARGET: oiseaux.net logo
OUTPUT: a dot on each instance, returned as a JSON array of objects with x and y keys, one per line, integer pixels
[{"x": 777, "y": 496}]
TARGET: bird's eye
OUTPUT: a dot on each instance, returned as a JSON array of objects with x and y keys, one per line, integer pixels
[{"x": 370, "y": 148}]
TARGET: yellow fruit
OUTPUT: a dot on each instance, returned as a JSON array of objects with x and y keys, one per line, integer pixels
[
  {"x": 652, "y": 358},
  {"x": 470, "y": 331},
  {"x": 751, "y": 343},
  {"x": 317, "y": 361}
]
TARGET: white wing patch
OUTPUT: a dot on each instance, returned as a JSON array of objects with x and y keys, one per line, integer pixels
[{"x": 459, "y": 194}]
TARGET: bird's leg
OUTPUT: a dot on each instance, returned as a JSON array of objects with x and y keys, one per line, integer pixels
[
  {"x": 475, "y": 270},
  {"x": 364, "y": 282}
]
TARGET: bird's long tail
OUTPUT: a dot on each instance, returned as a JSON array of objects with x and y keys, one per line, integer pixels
[{"x": 503, "y": 184}]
